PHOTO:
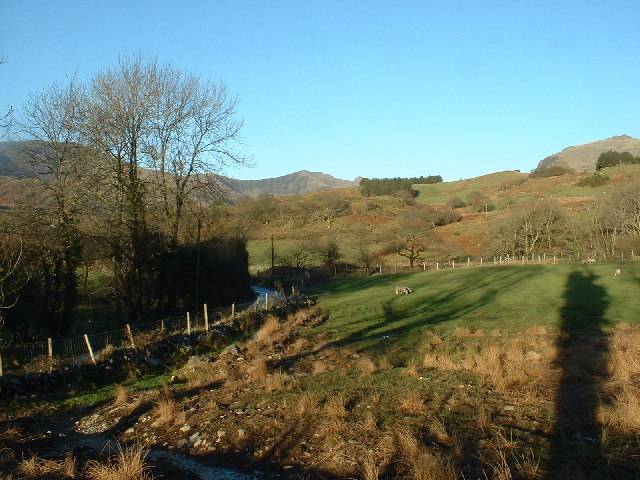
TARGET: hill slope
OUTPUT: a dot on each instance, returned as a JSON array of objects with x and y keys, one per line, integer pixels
[
  {"x": 292, "y": 184},
  {"x": 583, "y": 158}
]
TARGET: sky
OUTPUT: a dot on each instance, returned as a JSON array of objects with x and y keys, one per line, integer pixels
[{"x": 362, "y": 88}]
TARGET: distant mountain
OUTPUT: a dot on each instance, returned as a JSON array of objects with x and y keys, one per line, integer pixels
[
  {"x": 583, "y": 158},
  {"x": 292, "y": 184},
  {"x": 11, "y": 158}
]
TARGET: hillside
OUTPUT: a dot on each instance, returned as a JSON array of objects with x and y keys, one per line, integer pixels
[
  {"x": 295, "y": 183},
  {"x": 583, "y": 158},
  {"x": 292, "y": 184}
]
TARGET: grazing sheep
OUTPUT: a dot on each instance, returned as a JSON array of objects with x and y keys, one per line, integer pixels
[
  {"x": 589, "y": 261},
  {"x": 403, "y": 290},
  {"x": 617, "y": 274}
]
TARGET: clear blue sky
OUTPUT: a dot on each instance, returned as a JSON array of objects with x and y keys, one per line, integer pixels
[{"x": 370, "y": 88}]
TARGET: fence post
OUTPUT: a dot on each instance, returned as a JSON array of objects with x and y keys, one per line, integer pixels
[
  {"x": 50, "y": 348},
  {"x": 1, "y": 373},
  {"x": 162, "y": 324},
  {"x": 453, "y": 264},
  {"x": 468, "y": 262},
  {"x": 86, "y": 340},
  {"x": 266, "y": 301},
  {"x": 130, "y": 335},
  {"x": 188, "y": 324},
  {"x": 233, "y": 310},
  {"x": 206, "y": 317},
  {"x": 480, "y": 261},
  {"x": 554, "y": 259},
  {"x": 437, "y": 266}
]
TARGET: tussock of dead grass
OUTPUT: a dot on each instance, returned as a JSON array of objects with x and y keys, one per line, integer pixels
[
  {"x": 412, "y": 404},
  {"x": 35, "y": 467},
  {"x": 623, "y": 412},
  {"x": 536, "y": 330},
  {"x": 439, "y": 361},
  {"x": 122, "y": 395},
  {"x": 411, "y": 368},
  {"x": 461, "y": 332},
  {"x": 127, "y": 464},
  {"x": 259, "y": 369},
  {"x": 369, "y": 423},
  {"x": 319, "y": 367},
  {"x": 438, "y": 431},
  {"x": 269, "y": 332},
  {"x": 367, "y": 366},
  {"x": 278, "y": 381},
  {"x": 417, "y": 462},
  {"x": 166, "y": 408},
  {"x": 307, "y": 405},
  {"x": 368, "y": 468},
  {"x": 336, "y": 409}
]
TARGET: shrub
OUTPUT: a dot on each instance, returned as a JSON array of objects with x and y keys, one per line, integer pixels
[
  {"x": 595, "y": 180},
  {"x": 456, "y": 202}
]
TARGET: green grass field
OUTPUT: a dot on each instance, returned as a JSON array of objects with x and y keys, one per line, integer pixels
[{"x": 367, "y": 314}]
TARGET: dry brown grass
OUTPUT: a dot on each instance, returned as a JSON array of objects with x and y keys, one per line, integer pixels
[
  {"x": 439, "y": 362},
  {"x": 438, "y": 431},
  {"x": 34, "y": 467},
  {"x": 166, "y": 408},
  {"x": 122, "y": 395},
  {"x": 369, "y": 423},
  {"x": 368, "y": 468},
  {"x": 411, "y": 368},
  {"x": 319, "y": 367},
  {"x": 417, "y": 462},
  {"x": 269, "y": 332},
  {"x": 367, "y": 366},
  {"x": 127, "y": 464},
  {"x": 623, "y": 411},
  {"x": 278, "y": 381},
  {"x": 527, "y": 465},
  {"x": 461, "y": 332},
  {"x": 307, "y": 405},
  {"x": 412, "y": 404},
  {"x": 259, "y": 369},
  {"x": 336, "y": 408}
]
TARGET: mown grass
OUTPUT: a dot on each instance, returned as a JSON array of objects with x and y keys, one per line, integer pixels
[{"x": 366, "y": 314}]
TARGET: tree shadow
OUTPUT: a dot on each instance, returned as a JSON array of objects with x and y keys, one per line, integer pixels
[{"x": 582, "y": 348}]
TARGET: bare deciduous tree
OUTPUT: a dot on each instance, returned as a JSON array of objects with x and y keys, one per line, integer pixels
[{"x": 533, "y": 227}]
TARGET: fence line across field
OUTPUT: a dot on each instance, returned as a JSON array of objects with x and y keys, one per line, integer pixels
[{"x": 86, "y": 348}]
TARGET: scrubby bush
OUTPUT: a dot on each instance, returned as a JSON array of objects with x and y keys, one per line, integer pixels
[
  {"x": 456, "y": 202},
  {"x": 594, "y": 180}
]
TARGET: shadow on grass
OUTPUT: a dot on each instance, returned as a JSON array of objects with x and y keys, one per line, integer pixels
[{"x": 582, "y": 347}]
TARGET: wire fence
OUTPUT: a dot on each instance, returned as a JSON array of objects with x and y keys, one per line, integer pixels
[{"x": 16, "y": 358}]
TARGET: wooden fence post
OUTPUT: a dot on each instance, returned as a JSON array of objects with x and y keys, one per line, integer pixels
[
  {"x": 188, "y": 324},
  {"x": 1, "y": 373},
  {"x": 50, "y": 348},
  {"x": 480, "y": 261},
  {"x": 453, "y": 264},
  {"x": 86, "y": 340},
  {"x": 233, "y": 310},
  {"x": 162, "y": 324},
  {"x": 468, "y": 262},
  {"x": 266, "y": 301},
  {"x": 437, "y": 266},
  {"x": 206, "y": 317},
  {"x": 130, "y": 335}
]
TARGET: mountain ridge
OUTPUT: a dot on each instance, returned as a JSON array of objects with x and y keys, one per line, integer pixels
[{"x": 583, "y": 158}]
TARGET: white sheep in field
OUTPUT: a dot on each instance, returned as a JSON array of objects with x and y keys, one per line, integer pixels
[
  {"x": 403, "y": 290},
  {"x": 617, "y": 273}
]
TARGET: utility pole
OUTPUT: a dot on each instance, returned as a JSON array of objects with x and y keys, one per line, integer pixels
[
  {"x": 198, "y": 266},
  {"x": 273, "y": 257}
]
